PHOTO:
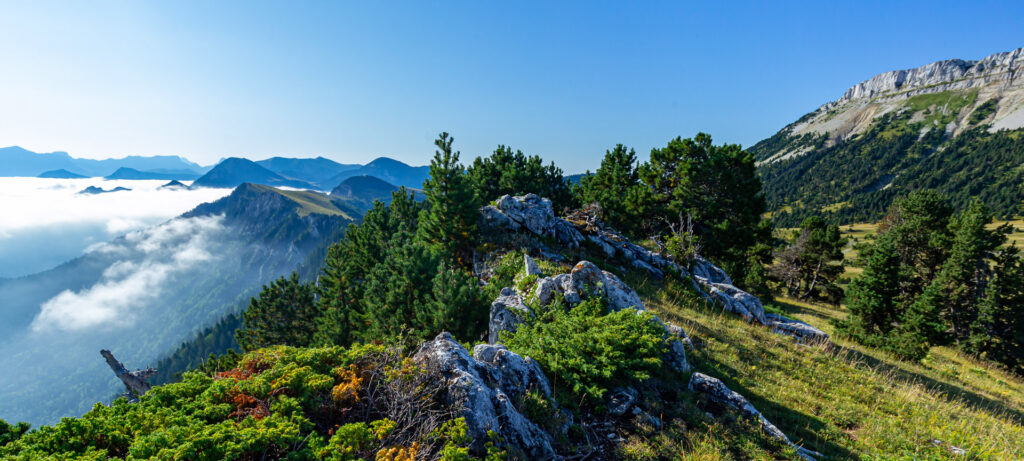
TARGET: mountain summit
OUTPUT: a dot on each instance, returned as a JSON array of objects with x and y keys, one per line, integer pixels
[{"x": 951, "y": 125}]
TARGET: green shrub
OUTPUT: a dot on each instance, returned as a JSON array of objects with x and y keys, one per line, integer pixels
[{"x": 586, "y": 350}]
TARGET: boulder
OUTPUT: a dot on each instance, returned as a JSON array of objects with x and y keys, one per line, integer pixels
[
  {"x": 620, "y": 400},
  {"x": 587, "y": 279},
  {"x": 514, "y": 374},
  {"x": 546, "y": 290},
  {"x": 507, "y": 313},
  {"x": 620, "y": 296},
  {"x": 530, "y": 211},
  {"x": 803, "y": 332},
  {"x": 531, "y": 266},
  {"x": 483, "y": 393},
  {"x": 716, "y": 391}
]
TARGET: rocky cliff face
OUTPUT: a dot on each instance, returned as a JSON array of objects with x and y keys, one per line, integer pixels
[
  {"x": 1000, "y": 69},
  {"x": 952, "y": 126},
  {"x": 998, "y": 78}
]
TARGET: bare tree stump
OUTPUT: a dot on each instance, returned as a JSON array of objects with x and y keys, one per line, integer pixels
[{"x": 135, "y": 382}]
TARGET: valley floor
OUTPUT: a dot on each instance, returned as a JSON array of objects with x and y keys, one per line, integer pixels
[{"x": 844, "y": 400}]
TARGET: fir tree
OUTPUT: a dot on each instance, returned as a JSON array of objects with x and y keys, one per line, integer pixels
[
  {"x": 283, "y": 313},
  {"x": 449, "y": 222}
]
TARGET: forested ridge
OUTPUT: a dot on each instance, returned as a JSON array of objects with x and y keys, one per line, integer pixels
[{"x": 363, "y": 361}]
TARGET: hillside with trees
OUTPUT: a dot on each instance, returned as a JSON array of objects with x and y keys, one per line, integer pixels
[{"x": 460, "y": 327}]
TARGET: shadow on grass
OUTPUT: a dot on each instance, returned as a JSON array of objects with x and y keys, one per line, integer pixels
[
  {"x": 802, "y": 429},
  {"x": 950, "y": 390}
]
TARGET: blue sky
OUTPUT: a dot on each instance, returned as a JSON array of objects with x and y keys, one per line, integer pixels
[{"x": 355, "y": 80}]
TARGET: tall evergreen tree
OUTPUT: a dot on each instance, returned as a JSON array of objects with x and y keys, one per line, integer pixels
[
  {"x": 457, "y": 306},
  {"x": 918, "y": 225},
  {"x": 872, "y": 297},
  {"x": 965, "y": 272},
  {"x": 283, "y": 313},
  {"x": 616, "y": 187},
  {"x": 449, "y": 222},
  {"x": 998, "y": 332},
  {"x": 398, "y": 289},
  {"x": 349, "y": 262}
]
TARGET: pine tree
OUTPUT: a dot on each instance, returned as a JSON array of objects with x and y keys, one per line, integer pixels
[
  {"x": 998, "y": 332},
  {"x": 810, "y": 266},
  {"x": 872, "y": 297},
  {"x": 399, "y": 288},
  {"x": 449, "y": 222},
  {"x": 514, "y": 173},
  {"x": 349, "y": 262},
  {"x": 966, "y": 270},
  {"x": 283, "y": 313},
  {"x": 717, "y": 187},
  {"x": 457, "y": 306},
  {"x": 918, "y": 225},
  {"x": 616, "y": 187}
]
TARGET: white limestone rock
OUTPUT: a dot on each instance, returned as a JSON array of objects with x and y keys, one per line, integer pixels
[
  {"x": 483, "y": 390},
  {"x": 507, "y": 312}
]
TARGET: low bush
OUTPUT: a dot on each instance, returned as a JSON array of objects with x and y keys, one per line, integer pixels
[{"x": 586, "y": 350}]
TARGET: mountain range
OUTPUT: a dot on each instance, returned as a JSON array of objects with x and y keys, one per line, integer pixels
[
  {"x": 16, "y": 161},
  {"x": 954, "y": 125},
  {"x": 142, "y": 294}
]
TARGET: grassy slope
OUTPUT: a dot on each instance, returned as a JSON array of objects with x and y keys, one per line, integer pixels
[
  {"x": 846, "y": 401},
  {"x": 311, "y": 202}
]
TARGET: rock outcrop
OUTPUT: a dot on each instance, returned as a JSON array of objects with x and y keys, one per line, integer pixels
[
  {"x": 534, "y": 214},
  {"x": 717, "y": 392},
  {"x": 938, "y": 76},
  {"x": 583, "y": 281},
  {"x": 486, "y": 387}
]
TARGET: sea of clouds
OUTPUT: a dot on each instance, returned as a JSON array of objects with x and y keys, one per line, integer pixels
[
  {"x": 144, "y": 262},
  {"x": 45, "y": 222}
]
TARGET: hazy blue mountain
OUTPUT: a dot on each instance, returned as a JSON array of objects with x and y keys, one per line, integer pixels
[
  {"x": 234, "y": 171},
  {"x": 362, "y": 191},
  {"x": 93, "y": 190},
  {"x": 174, "y": 184},
  {"x": 311, "y": 170},
  {"x": 61, "y": 174},
  {"x": 132, "y": 173},
  {"x": 16, "y": 161},
  {"x": 171, "y": 281},
  {"x": 388, "y": 169}
]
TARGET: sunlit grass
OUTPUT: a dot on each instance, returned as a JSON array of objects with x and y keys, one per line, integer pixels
[{"x": 844, "y": 400}]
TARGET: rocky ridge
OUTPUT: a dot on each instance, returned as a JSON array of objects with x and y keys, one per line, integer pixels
[
  {"x": 534, "y": 214},
  {"x": 996, "y": 78},
  {"x": 488, "y": 383}
]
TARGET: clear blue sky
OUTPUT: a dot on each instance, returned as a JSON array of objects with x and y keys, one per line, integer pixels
[{"x": 355, "y": 80}]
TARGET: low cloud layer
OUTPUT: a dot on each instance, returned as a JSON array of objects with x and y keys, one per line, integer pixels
[
  {"x": 146, "y": 260},
  {"x": 47, "y": 222}
]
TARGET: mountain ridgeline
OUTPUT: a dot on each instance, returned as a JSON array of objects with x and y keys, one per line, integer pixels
[
  {"x": 954, "y": 126},
  {"x": 167, "y": 283}
]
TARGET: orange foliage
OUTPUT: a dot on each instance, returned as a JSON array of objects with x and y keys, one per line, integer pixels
[{"x": 399, "y": 453}]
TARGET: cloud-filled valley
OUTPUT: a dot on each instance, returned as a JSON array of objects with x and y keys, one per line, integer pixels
[
  {"x": 47, "y": 222},
  {"x": 147, "y": 260}
]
